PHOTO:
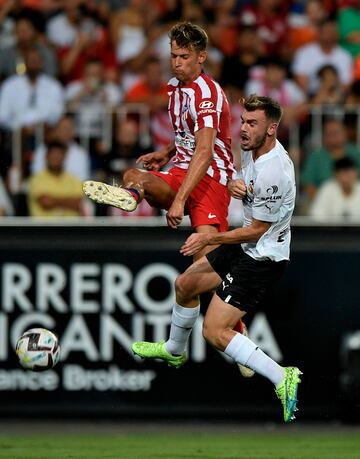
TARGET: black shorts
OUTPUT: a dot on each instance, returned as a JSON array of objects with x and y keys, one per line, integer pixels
[{"x": 245, "y": 280}]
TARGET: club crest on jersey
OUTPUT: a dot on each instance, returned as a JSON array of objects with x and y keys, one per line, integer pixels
[
  {"x": 184, "y": 112},
  {"x": 251, "y": 186},
  {"x": 249, "y": 193}
]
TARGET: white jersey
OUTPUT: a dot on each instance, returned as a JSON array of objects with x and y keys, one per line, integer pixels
[{"x": 271, "y": 191}]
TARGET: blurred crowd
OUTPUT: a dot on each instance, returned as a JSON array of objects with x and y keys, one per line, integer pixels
[{"x": 83, "y": 92}]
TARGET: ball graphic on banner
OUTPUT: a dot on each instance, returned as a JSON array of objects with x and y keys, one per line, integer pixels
[{"x": 38, "y": 349}]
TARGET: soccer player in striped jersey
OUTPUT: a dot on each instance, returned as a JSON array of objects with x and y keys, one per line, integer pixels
[{"x": 201, "y": 150}]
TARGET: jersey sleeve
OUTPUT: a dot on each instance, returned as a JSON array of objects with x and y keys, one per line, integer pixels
[
  {"x": 269, "y": 193},
  {"x": 208, "y": 105}
]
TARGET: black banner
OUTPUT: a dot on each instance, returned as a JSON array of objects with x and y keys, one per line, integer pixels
[{"x": 101, "y": 288}]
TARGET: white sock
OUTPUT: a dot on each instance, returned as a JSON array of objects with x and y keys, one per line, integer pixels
[
  {"x": 182, "y": 322},
  {"x": 245, "y": 352}
]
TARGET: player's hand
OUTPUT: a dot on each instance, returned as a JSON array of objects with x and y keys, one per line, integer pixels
[
  {"x": 154, "y": 161},
  {"x": 237, "y": 188},
  {"x": 194, "y": 243},
  {"x": 175, "y": 214}
]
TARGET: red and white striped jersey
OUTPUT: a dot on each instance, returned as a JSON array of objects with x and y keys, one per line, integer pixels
[{"x": 200, "y": 104}]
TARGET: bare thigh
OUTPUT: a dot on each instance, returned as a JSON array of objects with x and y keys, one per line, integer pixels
[
  {"x": 198, "y": 278},
  {"x": 152, "y": 188}
]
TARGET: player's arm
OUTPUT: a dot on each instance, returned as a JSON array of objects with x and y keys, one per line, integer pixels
[
  {"x": 251, "y": 233},
  {"x": 157, "y": 159},
  {"x": 199, "y": 164}
]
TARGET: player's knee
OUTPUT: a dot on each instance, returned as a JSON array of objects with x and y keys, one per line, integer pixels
[
  {"x": 131, "y": 175},
  {"x": 184, "y": 287}
]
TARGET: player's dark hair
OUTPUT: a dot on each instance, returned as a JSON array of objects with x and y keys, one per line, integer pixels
[
  {"x": 189, "y": 36},
  {"x": 271, "y": 107}
]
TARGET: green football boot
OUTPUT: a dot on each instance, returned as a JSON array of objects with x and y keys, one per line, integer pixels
[
  {"x": 158, "y": 350},
  {"x": 286, "y": 392}
]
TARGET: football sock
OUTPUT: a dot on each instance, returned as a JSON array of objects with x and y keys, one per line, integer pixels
[
  {"x": 135, "y": 193},
  {"x": 182, "y": 322},
  {"x": 245, "y": 352}
]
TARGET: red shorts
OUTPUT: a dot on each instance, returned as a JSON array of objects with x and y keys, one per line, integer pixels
[{"x": 207, "y": 204}]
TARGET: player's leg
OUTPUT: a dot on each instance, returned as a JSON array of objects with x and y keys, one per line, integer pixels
[
  {"x": 198, "y": 278},
  {"x": 150, "y": 186},
  {"x": 206, "y": 298},
  {"x": 218, "y": 331},
  {"x": 137, "y": 185},
  {"x": 220, "y": 320}
]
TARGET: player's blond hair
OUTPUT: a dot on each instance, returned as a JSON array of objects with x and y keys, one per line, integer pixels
[
  {"x": 189, "y": 36},
  {"x": 271, "y": 107}
]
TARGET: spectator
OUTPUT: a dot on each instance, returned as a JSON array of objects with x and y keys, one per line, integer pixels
[
  {"x": 54, "y": 192},
  {"x": 126, "y": 150},
  {"x": 8, "y": 10},
  {"x": 330, "y": 91},
  {"x": 353, "y": 95},
  {"x": 151, "y": 89},
  {"x": 123, "y": 155},
  {"x": 30, "y": 98},
  {"x": 223, "y": 27},
  {"x": 63, "y": 28},
  {"x": 349, "y": 27},
  {"x": 6, "y": 207},
  {"x": 319, "y": 164},
  {"x": 79, "y": 38},
  {"x": 270, "y": 19},
  {"x": 356, "y": 69},
  {"x": 12, "y": 58},
  {"x": 351, "y": 120},
  {"x": 248, "y": 61},
  {"x": 304, "y": 27},
  {"x": 77, "y": 160},
  {"x": 340, "y": 196},
  {"x": 276, "y": 85},
  {"x": 91, "y": 99},
  {"x": 127, "y": 27},
  {"x": 309, "y": 59}
]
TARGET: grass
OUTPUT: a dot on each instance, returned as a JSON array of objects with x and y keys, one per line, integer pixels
[{"x": 277, "y": 445}]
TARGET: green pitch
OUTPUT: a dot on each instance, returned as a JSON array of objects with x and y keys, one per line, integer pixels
[{"x": 277, "y": 445}]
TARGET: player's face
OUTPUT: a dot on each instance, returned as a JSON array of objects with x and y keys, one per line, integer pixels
[
  {"x": 186, "y": 63},
  {"x": 255, "y": 129}
]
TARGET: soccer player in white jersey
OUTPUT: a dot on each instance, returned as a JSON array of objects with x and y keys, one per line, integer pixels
[
  {"x": 248, "y": 260},
  {"x": 203, "y": 161}
]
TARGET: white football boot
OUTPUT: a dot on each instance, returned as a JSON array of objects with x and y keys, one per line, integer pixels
[{"x": 111, "y": 195}]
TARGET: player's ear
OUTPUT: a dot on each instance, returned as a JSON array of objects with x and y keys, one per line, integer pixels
[
  {"x": 202, "y": 57},
  {"x": 272, "y": 129}
]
